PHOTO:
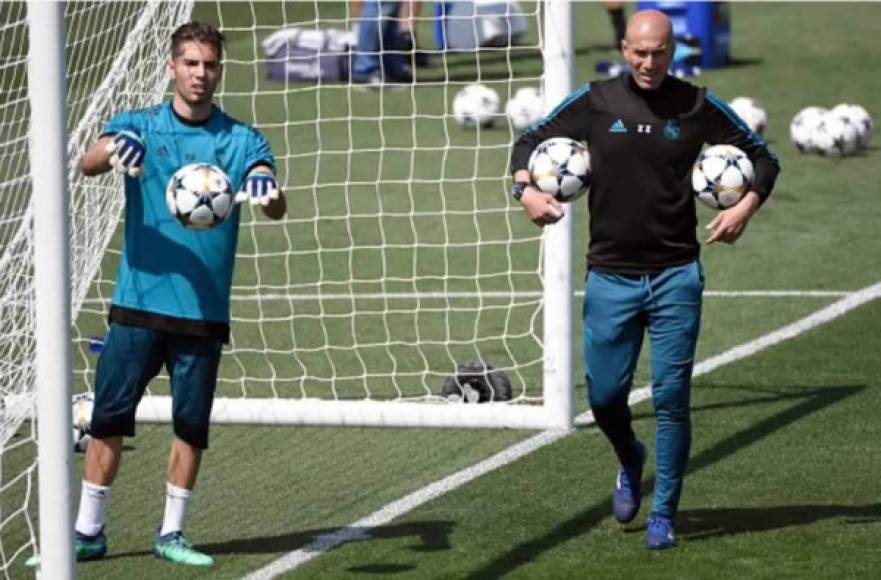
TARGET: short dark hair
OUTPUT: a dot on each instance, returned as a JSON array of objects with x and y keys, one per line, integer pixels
[{"x": 199, "y": 31}]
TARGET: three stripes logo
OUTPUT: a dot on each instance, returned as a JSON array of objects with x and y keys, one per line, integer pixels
[{"x": 618, "y": 127}]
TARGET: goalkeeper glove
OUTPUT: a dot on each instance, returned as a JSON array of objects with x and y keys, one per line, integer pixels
[
  {"x": 127, "y": 153},
  {"x": 259, "y": 188}
]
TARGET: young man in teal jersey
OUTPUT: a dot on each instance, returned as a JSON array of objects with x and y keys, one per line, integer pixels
[{"x": 171, "y": 301}]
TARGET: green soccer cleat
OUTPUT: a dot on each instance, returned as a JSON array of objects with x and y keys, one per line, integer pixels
[
  {"x": 175, "y": 548},
  {"x": 86, "y": 548},
  {"x": 90, "y": 547}
]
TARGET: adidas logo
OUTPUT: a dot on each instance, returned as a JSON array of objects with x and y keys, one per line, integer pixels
[{"x": 618, "y": 127}]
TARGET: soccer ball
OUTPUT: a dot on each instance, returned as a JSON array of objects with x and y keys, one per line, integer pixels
[
  {"x": 83, "y": 404},
  {"x": 859, "y": 118},
  {"x": 199, "y": 195},
  {"x": 751, "y": 112},
  {"x": 802, "y": 127},
  {"x": 476, "y": 106},
  {"x": 721, "y": 176},
  {"x": 834, "y": 136},
  {"x": 524, "y": 108},
  {"x": 560, "y": 166}
]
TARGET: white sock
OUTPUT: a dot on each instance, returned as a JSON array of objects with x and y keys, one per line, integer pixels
[
  {"x": 93, "y": 504},
  {"x": 176, "y": 500}
]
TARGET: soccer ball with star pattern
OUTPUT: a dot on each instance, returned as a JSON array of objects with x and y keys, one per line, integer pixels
[
  {"x": 721, "y": 176},
  {"x": 560, "y": 166},
  {"x": 200, "y": 196},
  {"x": 83, "y": 404}
]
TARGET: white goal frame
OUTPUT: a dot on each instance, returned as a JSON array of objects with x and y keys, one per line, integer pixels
[
  {"x": 557, "y": 409},
  {"x": 58, "y": 297}
]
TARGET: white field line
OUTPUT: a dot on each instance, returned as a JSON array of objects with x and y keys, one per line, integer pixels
[
  {"x": 506, "y": 294},
  {"x": 360, "y": 529}
]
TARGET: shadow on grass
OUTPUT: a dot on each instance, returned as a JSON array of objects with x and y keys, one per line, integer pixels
[
  {"x": 813, "y": 401},
  {"x": 710, "y": 523},
  {"x": 428, "y": 536},
  {"x": 382, "y": 569}
]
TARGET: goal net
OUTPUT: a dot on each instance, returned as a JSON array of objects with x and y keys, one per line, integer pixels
[
  {"x": 401, "y": 256},
  {"x": 115, "y": 57}
]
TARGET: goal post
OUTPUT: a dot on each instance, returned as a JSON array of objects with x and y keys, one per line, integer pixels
[
  {"x": 48, "y": 124},
  {"x": 558, "y": 55}
]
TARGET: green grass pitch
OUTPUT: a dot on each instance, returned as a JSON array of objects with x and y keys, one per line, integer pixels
[{"x": 784, "y": 470}]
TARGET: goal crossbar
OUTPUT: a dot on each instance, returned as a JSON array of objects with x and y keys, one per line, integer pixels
[{"x": 157, "y": 409}]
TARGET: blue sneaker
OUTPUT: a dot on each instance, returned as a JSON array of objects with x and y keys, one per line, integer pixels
[
  {"x": 659, "y": 533},
  {"x": 628, "y": 489}
]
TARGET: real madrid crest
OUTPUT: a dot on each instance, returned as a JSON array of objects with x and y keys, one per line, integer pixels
[{"x": 672, "y": 130}]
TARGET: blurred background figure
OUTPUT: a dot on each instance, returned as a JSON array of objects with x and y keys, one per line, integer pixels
[
  {"x": 409, "y": 24},
  {"x": 615, "y": 10},
  {"x": 379, "y": 57}
]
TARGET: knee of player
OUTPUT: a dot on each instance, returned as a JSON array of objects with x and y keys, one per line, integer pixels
[
  {"x": 192, "y": 431},
  {"x": 111, "y": 422},
  {"x": 602, "y": 398},
  {"x": 672, "y": 412}
]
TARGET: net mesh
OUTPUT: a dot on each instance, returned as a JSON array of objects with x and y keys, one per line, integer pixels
[
  {"x": 401, "y": 255},
  {"x": 115, "y": 54}
]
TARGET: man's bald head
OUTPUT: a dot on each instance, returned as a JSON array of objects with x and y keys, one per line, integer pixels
[
  {"x": 649, "y": 23},
  {"x": 648, "y": 47}
]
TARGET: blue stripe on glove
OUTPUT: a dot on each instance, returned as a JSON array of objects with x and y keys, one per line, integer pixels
[
  {"x": 127, "y": 153},
  {"x": 259, "y": 188}
]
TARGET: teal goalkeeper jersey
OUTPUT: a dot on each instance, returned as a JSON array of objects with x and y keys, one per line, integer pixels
[{"x": 167, "y": 269}]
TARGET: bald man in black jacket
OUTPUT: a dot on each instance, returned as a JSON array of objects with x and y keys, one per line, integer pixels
[{"x": 645, "y": 131}]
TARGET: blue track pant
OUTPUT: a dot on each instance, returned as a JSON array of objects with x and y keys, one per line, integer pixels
[{"x": 618, "y": 310}]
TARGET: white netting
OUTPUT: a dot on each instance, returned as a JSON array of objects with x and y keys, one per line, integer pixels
[
  {"x": 115, "y": 58},
  {"x": 401, "y": 255}
]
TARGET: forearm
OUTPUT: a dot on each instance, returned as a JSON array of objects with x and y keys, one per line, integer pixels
[
  {"x": 767, "y": 168},
  {"x": 522, "y": 175},
  {"x": 276, "y": 208},
  {"x": 97, "y": 159}
]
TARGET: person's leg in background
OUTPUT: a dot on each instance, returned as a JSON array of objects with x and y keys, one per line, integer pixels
[
  {"x": 367, "y": 52},
  {"x": 410, "y": 11},
  {"x": 378, "y": 58},
  {"x": 618, "y": 19}
]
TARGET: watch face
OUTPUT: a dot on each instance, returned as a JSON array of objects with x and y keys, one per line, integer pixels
[{"x": 517, "y": 189}]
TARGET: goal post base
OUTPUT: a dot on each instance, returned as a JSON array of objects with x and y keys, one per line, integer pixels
[{"x": 156, "y": 409}]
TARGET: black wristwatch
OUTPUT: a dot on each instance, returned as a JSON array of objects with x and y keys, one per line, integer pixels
[{"x": 517, "y": 189}]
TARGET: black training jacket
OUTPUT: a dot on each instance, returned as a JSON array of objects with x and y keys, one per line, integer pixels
[{"x": 643, "y": 145}]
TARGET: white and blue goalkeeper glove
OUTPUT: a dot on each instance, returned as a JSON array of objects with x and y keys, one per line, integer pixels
[
  {"x": 128, "y": 153},
  {"x": 259, "y": 188}
]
